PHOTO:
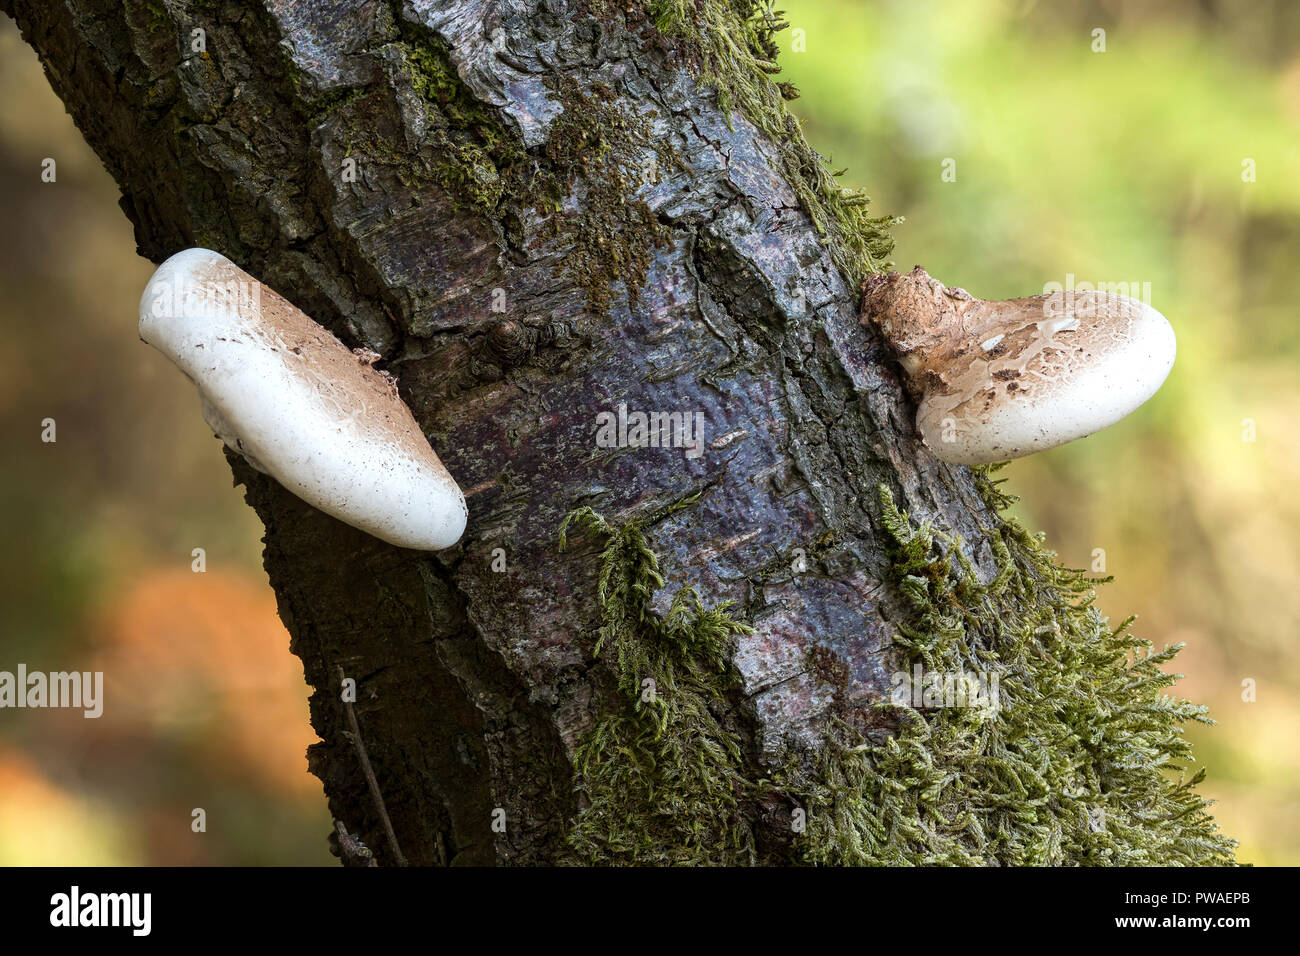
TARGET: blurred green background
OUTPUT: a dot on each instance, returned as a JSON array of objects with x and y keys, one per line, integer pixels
[{"x": 1117, "y": 166}]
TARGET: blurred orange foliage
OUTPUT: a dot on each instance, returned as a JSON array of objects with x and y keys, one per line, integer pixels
[{"x": 183, "y": 648}]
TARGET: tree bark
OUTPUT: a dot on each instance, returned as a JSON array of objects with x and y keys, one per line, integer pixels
[{"x": 535, "y": 210}]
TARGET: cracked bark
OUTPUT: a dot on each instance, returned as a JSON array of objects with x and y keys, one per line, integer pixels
[{"x": 475, "y": 686}]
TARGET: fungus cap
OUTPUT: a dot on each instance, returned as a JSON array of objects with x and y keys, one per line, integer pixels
[
  {"x": 291, "y": 398},
  {"x": 1002, "y": 379}
]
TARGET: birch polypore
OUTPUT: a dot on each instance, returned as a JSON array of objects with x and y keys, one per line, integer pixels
[
  {"x": 995, "y": 380},
  {"x": 280, "y": 390}
]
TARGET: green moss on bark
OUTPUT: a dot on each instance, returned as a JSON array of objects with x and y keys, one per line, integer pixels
[
  {"x": 603, "y": 147},
  {"x": 733, "y": 42},
  {"x": 659, "y": 780},
  {"x": 595, "y": 147},
  {"x": 1082, "y": 762},
  {"x": 476, "y": 160}
]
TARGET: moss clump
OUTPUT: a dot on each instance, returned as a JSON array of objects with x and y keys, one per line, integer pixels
[
  {"x": 659, "y": 780},
  {"x": 733, "y": 40},
  {"x": 1081, "y": 762}
]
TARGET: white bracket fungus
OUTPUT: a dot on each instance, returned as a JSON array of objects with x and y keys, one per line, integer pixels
[
  {"x": 1001, "y": 379},
  {"x": 298, "y": 404}
]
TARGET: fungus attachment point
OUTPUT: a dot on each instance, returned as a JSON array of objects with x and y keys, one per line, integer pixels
[
  {"x": 298, "y": 404},
  {"x": 1001, "y": 379}
]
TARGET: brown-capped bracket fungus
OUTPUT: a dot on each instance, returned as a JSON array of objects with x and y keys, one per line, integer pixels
[
  {"x": 1001, "y": 379},
  {"x": 298, "y": 404}
]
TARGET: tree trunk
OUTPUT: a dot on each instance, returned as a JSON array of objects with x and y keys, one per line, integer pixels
[{"x": 538, "y": 211}]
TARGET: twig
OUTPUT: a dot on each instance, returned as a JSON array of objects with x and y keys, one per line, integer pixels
[{"x": 371, "y": 779}]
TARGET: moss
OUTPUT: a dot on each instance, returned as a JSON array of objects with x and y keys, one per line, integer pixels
[
  {"x": 734, "y": 44},
  {"x": 593, "y": 143},
  {"x": 659, "y": 780},
  {"x": 1083, "y": 762},
  {"x": 477, "y": 160},
  {"x": 326, "y": 103},
  {"x": 614, "y": 234},
  {"x": 158, "y": 18}
]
